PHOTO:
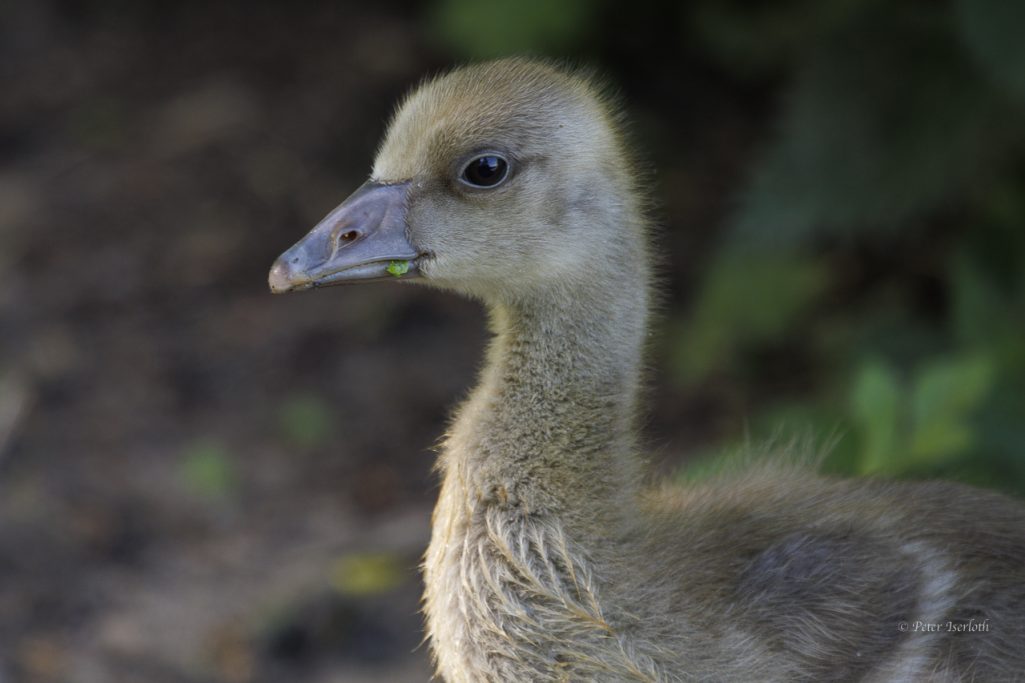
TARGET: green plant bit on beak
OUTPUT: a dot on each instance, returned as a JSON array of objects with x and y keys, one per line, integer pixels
[{"x": 398, "y": 268}]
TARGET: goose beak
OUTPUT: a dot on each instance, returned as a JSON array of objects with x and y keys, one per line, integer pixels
[{"x": 362, "y": 240}]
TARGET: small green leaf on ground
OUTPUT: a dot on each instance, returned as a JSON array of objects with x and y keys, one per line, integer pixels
[
  {"x": 366, "y": 574},
  {"x": 207, "y": 470},
  {"x": 305, "y": 420}
]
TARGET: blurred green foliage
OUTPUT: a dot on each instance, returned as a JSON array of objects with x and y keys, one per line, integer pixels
[
  {"x": 902, "y": 137},
  {"x": 881, "y": 233},
  {"x": 992, "y": 32},
  {"x": 744, "y": 300},
  {"x": 481, "y": 30},
  {"x": 922, "y": 420},
  {"x": 884, "y": 120}
]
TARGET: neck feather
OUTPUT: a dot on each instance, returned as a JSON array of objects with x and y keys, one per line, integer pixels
[{"x": 551, "y": 423}]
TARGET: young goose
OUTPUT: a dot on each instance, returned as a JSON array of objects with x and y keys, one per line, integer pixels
[{"x": 550, "y": 560}]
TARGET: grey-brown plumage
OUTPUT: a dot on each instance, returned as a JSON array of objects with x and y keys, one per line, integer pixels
[{"x": 549, "y": 559}]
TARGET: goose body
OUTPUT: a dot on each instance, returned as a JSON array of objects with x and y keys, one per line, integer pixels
[{"x": 550, "y": 559}]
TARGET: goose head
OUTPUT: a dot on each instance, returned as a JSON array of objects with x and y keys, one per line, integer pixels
[{"x": 492, "y": 180}]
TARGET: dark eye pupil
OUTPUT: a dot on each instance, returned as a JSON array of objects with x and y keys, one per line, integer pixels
[{"x": 485, "y": 171}]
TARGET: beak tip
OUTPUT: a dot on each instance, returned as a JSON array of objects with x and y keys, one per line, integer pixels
[{"x": 280, "y": 279}]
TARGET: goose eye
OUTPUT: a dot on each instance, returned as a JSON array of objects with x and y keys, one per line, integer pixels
[{"x": 486, "y": 171}]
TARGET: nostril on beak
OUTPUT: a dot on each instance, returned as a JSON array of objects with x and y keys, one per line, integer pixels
[{"x": 348, "y": 236}]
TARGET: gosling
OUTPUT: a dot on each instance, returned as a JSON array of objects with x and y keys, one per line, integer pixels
[{"x": 550, "y": 560}]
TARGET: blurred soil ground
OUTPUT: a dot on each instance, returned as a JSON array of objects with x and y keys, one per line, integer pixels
[{"x": 197, "y": 478}]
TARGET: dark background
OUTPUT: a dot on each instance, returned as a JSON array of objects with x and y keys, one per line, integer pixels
[{"x": 202, "y": 482}]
